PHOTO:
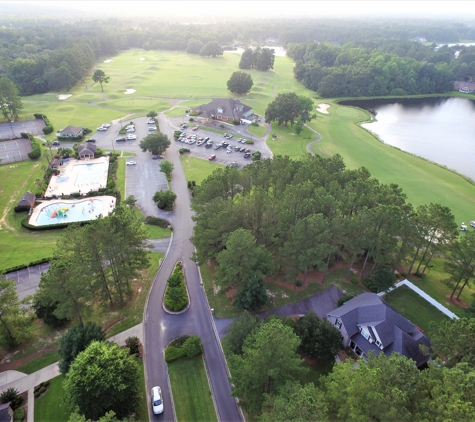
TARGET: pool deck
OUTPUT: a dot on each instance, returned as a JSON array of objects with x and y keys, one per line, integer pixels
[
  {"x": 73, "y": 184},
  {"x": 108, "y": 201}
]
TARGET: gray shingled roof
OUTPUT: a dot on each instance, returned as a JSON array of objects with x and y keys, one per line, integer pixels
[
  {"x": 27, "y": 200},
  {"x": 397, "y": 334},
  {"x": 230, "y": 108},
  {"x": 87, "y": 149},
  {"x": 71, "y": 130}
]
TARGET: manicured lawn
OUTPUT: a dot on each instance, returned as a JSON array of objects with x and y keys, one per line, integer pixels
[
  {"x": 175, "y": 112},
  {"x": 288, "y": 142},
  {"x": 423, "y": 182},
  {"x": 191, "y": 391},
  {"x": 197, "y": 169},
  {"x": 258, "y": 131},
  {"x": 50, "y": 406},
  {"x": 120, "y": 174},
  {"x": 39, "y": 362},
  {"x": 415, "y": 308}
]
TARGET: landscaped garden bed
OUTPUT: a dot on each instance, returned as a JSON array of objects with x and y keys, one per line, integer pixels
[{"x": 176, "y": 295}]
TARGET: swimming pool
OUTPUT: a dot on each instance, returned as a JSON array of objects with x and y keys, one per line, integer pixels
[
  {"x": 89, "y": 174},
  {"x": 72, "y": 211}
]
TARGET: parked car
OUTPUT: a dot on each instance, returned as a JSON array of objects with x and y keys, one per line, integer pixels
[
  {"x": 247, "y": 155},
  {"x": 55, "y": 143},
  {"x": 234, "y": 164},
  {"x": 229, "y": 151},
  {"x": 212, "y": 157},
  {"x": 131, "y": 137},
  {"x": 243, "y": 141},
  {"x": 247, "y": 151},
  {"x": 106, "y": 125},
  {"x": 217, "y": 146},
  {"x": 89, "y": 140},
  {"x": 157, "y": 401},
  {"x": 157, "y": 157},
  {"x": 208, "y": 145},
  {"x": 132, "y": 130},
  {"x": 195, "y": 128},
  {"x": 188, "y": 137},
  {"x": 199, "y": 143},
  {"x": 184, "y": 126},
  {"x": 237, "y": 148},
  {"x": 131, "y": 163},
  {"x": 472, "y": 224},
  {"x": 101, "y": 128},
  {"x": 242, "y": 149},
  {"x": 225, "y": 144},
  {"x": 152, "y": 128},
  {"x": 120, "y": 140},
  {"x": 207, "y": 139},
  {"x": 150, "y": 122},
  {"x": 192, "y": 141}
]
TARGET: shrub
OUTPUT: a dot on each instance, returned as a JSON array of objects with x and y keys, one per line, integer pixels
[
  {"x": 11, "y": 395},
  {"x": 133, "y": 343},
  {"x": 19, "y": 415},
  {"x": 176, "y": 298},
  {"x": 249, "y": 142},
  {"x": 192, "y": 346},
  {"x": 47, "y": 130},
  {"x": 37, "y": 394},
  {"x": 36, "y": 153},
  {"x": 176, "y": 134},
  {"x": 254, "y": 124},
  {"x": 46, "y": 313},
  {"x": 298, "y": 283},
  {"x": 236, "y": 122},
  {"x": 155, "y": 221},
  {"x": 178, "y": 342},
  {"x": 403, "y": 274},
  {"x": 42, "y": 390},
  {"x": 86, "y": 131},
  {"x": 173, "y": 353},
  {"x": 183, "y": 150},
  {"x": 191, "y": 119},
  {"x": 354, "y": 279},
  {"x": 176, "y": 279}
]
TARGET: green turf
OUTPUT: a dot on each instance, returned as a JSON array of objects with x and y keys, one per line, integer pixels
[
  {"x": 120, "y": 174},
  {"x": 176, "y": 112},
  {"x": 423, "y": 182},
  {"x": 142, "y": 407},
  {"x": 197, "y": 169},
  {"x": 415, "y": 308},
  {"x": 258, "y": 131},
  {"x": 156, "y": 232},
  {"x": 39, "y": 362},
  {"x": 288, "y": 142},
  {"x": 50, "y": 406},
  {"x": 191, "y": 391}
]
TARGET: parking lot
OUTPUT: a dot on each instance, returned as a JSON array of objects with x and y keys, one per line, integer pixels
[
  {"x": 27, "y": 279},
  {"x": 222, "y": 156}
]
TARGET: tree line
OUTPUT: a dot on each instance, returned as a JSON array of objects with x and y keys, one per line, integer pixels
[
  {"x": 390, "y": 69},
  {"x": 267, "y": 373},
  {"x": 287, "y": 217}
]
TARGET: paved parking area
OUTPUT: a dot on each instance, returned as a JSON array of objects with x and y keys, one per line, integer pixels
[
  {"x": 14, "y": 129},
  {"x": 27, "y": 279},
  {"x": 16, "y": 150}
]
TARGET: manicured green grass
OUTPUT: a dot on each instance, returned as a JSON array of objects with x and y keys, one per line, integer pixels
[
  {"x": 120, "y": 174},
  {"x": 39, "y": 362},
  {"x": 156, "y": 232},
  {"x": 191, "y": 391},
  {"x": 137, "y": 105},
  {"x": 197, "y": 169},
  {"x": 415, "y": 308},
  {"x": 50, "y": 406},
  {"x": 176, "y": 112},
  {"x": 288, "y": 142},
  {"x": 258, "y": 131},
  {"x": 423, "y": 182},
  {"x": 19, "y": 245},
  {"x": 142, "y": 407}
]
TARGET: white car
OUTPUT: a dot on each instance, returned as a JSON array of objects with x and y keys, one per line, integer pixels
[
  {"x": 150, "y": 122},
  {"x": 106, "y": 125},
  {"x": 131, "y": 163},
  {"x": 131, "y": 137},
  {"x": 131, "y": 130},
  {"x": 101, "y": 128},
  {"x": 157, "y": 402},
  {"x": 152, "y": 128}
]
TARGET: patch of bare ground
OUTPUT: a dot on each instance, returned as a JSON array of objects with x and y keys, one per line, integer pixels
[
  {"x": 10, "y": 366},
  {"x": 456, "y": 301}
]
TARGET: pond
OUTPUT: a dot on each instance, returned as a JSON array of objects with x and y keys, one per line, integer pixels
[{"x": 441, "y": 130}]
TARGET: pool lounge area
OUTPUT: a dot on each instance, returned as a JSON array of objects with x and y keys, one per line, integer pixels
[
  {"x": 71, "y": 211},
  {"x": 81, "y": 176}
]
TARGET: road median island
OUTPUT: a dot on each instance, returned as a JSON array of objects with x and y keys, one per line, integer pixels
[{"x": 176, "y": 299}]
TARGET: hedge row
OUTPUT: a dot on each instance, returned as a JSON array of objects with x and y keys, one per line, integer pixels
[
  {"x": 31, "y": 264},
  {"x": 176, "y": 297},
  {"x": 36, "y": 153},
  {"x": 155, "y": 221},
  {"x": 28, "y": 226},
  {"x": 188, "y": 346},
  {"x": 49, "y": 127}
]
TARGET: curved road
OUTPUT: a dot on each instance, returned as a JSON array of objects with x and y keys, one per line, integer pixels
[{"x": 160, "y": 327}]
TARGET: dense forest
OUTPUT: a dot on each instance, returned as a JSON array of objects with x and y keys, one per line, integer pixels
[{"x": 355, "y": 58}]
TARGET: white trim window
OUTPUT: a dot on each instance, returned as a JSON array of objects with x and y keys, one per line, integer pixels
[{"x": 338, "y": 323}]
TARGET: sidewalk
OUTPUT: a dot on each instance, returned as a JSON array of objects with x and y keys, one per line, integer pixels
[
  {"x": 420, "y": 292},
  {"x": 24, "y": 382}
]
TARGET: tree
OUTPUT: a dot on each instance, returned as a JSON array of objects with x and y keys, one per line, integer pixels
[
  {"x": 46, "y": 313},
  {"x": 167, "y": 168},
  {"x": 289, "y": 107},
  {"x": 268, "y": 361},
  {"x": 11, "y": 395},
  {"x": 10, "y": 100},
  {"x": 240, "y": 328},
  {"x": 192, "y": 346},
  {"x": 242, "y": 260},
  {"x": 130, "y": 201},
  {"x": 194, "y": 46},
  {"x": 102, "y": 378},
  {"x": 240, "y": 83},
  {"x": 108, "y": 417},
  {"x": 74, "y": 341},
  {"x": 152, "y": 114},
  {"x": 164, "y": 199},
  {"x": 212, "y": 48},
  {"x": 298, "y": 126},
  {"x": 264, "y": 58},
  {"x": 295, "y": 403},
  {"x": 251, "y": 295},
  {"x": 382, "y": 279},
  {"x": 14, "y": 322},
  {"x": 247, "y": 59},
  {"x": 156, "y": 143},
  {"x": 319, "y": 339},
  {"x": 454, "y": 341},
  {"x": 100, "y": 76}
]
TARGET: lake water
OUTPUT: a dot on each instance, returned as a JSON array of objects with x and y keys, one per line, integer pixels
[{"x": 441, "y": 130}]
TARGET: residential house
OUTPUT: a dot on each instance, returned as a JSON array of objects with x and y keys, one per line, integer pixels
[
  {"x": 6, "y": 412},
  {"x": 55, "y": 163},
  {"x": 71, "y": 131},
  {"x": 367, "y": 323},
  {"x": 466, "y": 87},
  {"x": 225, "y": 109},
  {"x": 86, "y": 151}
]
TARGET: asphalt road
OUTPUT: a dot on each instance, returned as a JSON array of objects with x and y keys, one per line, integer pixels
[{"x": 142, "y": 181}]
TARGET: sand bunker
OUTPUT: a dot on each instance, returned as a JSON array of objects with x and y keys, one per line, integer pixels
[
  {"x": 107, "y": 61},
  {"x": 64, "y": 96},
  {"x": 129, "y": 91},
  {"x": 142, "y": 59},
  {"x": 323, "y": 108}
]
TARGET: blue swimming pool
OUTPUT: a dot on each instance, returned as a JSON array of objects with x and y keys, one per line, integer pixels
[{"x": 61, "y": 212}]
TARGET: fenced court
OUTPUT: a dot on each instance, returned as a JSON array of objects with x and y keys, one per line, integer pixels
[
  {"x": 13, "y": 130},
  {"x": 15, "y": 150}
]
